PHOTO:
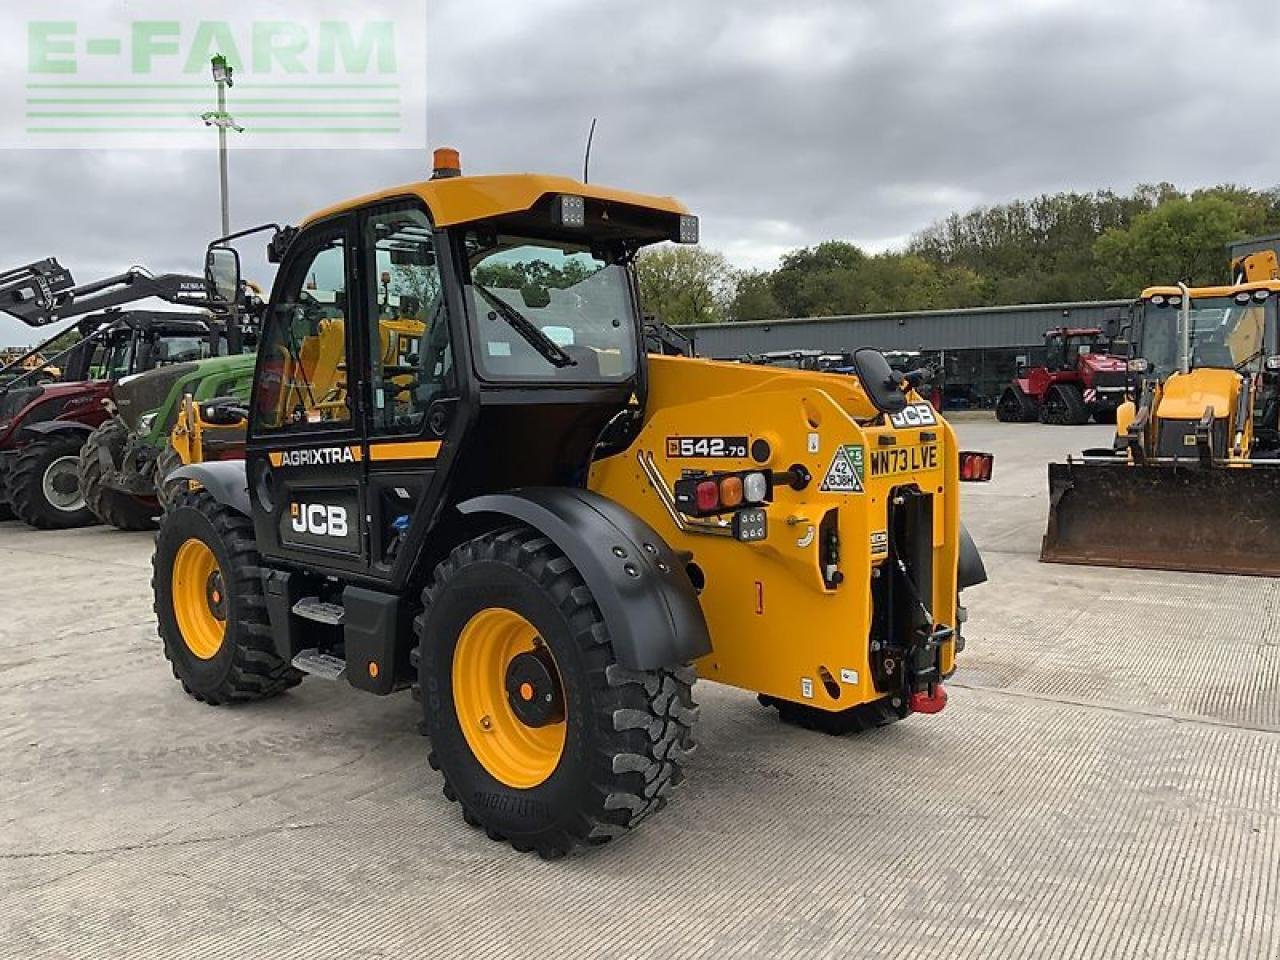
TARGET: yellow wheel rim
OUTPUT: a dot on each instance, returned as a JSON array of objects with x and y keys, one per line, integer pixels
[
  {"x": 512, "y": 750},
  {"x": 199, "y": 599}
]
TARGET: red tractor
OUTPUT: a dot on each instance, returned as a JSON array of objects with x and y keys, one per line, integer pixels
[
  {"x": 1080, "y": 379},
  {"x": 44, "y": 424}
]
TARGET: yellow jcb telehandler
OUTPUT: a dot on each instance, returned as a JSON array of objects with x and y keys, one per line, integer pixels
[
  {"x": 546, "y": 531},
  {"x": 1192, "y": 481}
]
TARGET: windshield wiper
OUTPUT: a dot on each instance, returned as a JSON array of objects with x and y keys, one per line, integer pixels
[{"x": 517, "y": 321}]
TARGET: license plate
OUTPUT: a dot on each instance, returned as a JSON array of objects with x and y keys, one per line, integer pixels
[{"x": 891, "y": 461}]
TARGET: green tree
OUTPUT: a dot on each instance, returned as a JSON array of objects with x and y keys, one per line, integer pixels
[
  {"x": 815, "y": 281},
  {"x": 684, "y": 285},
  {"x": 753, "y": 297},
  {"x": 1181, "y": 239}
]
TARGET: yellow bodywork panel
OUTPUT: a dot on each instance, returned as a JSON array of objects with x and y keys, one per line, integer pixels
[
  {"x": 776, "y": 627},
  {"x": 458, "y": 200},
  {"x": 1185, "y": 396}
]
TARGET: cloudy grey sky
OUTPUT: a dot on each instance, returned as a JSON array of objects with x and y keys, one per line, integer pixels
[{"x": 780, "y": 124}]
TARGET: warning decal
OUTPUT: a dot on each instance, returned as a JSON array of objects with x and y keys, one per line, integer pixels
[{"x": 845, "y": 473}]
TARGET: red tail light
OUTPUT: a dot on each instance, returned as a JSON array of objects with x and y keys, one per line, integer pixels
[
  {"x": 976, "y": 467},
  {"x": 708, "y": 496}
]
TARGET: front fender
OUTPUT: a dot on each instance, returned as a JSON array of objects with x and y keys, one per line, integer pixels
[
  {"x": 636, "y": 579},
  {"x": 44, "y": 428},
  {"x": 225, "y": 480}
]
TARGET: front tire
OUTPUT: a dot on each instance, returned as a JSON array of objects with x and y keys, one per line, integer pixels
[
  {"x": 543, "y": 738},
  {"x": 6, "y": 510},
  {"x": 210, "y": 610},
  {"x": 113, "y": 507},
  {"x": 44, "y": 483}
]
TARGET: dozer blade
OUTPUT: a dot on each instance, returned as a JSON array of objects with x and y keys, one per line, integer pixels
[{"x": 1165, "y": 517}]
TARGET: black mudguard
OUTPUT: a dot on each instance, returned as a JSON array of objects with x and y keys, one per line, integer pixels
[
  {"x": 225, "y": 480},
  {"x": 45, "y": 428},
  {"x": 972, "y": 571},
  {"x": 637, "y": 580}
]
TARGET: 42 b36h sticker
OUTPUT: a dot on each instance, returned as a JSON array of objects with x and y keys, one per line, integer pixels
[{"x": 688, "y": 448}]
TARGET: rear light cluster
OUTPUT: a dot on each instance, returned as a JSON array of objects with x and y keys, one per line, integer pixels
[
  {"x": 976, "y": 467},
  {"x": 722, "y": 492}
]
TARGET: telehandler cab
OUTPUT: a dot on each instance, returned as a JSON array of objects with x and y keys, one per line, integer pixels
[{"x": 541, "y": 528}]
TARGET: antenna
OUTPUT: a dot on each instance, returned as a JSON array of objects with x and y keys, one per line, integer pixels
[{"x": 586, "y": 163}]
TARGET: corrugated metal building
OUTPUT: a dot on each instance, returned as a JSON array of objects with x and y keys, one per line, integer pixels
[{"x": 978, "y": 349}]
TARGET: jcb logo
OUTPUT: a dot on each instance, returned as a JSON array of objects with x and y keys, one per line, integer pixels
[
  {"x": 319, "y": 519},
  {"x": 916, "y": 415}
]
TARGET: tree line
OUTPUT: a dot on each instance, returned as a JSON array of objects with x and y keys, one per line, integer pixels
[{"x": 1052, "y": 248}]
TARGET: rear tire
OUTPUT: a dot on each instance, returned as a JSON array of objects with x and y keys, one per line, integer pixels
[
  {"x": 1064, "y": 405},
  {"x": 624, "y": 734},
  {"x": 112, "y": 507},
  {"x": 210, "y": 610},
  {"x": 1014, "y": 406},
  {"x": 44, "y": 485}
]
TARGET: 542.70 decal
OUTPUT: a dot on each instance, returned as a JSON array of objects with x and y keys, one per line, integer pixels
[{"x": 695, "y": 447}]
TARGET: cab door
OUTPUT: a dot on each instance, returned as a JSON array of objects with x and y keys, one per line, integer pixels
[
  {"x": 412, "y": 389},
  {"x": 305, "y": 451}
]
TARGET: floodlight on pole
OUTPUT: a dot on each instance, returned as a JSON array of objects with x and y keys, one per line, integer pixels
[{"x": 223, "y": 76}]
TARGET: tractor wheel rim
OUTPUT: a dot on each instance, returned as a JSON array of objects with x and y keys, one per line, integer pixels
[
  {"x": 511, "y": 750},
  {"x": 199, "y": 598},
  {"x": 61, "y": 485}
]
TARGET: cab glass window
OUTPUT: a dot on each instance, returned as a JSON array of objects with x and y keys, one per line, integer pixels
[
  {"x": 412, "y": 364},
  {"x": 543, "y": 310},
  {"x": 302, "y": 363}
]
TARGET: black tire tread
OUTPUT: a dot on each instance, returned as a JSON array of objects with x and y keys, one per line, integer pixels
[
  {"x": 1014, "y": 406},
  {"x": 1074, "y": 411},
  {"x": 112, "y": 507},
  {"x": 167, "y": 462},
  {"x": 647, "y": 717},
  {"x": 257, "y": 671},
  {"x": 6, "y": 509},
  {"x": 24, "y": 483}
]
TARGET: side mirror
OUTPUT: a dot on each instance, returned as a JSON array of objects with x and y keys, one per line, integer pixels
[
  {"x": 222, "y": 274},
  {"x": 882, "y": 386}
]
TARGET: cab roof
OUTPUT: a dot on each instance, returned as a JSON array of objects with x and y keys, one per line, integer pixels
[
  {"x": 1225, "y": 290},
  {"x": 465, "y": 199}
]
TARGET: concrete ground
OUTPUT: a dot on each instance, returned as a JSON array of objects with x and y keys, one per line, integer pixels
[{"x": 1104, "y": 783}]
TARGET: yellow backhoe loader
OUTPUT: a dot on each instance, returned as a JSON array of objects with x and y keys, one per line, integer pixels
[{"x": 1192, "y": 481}]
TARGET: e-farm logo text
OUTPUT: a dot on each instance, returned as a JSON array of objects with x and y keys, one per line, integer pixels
[{"x": 295, "y": 73}]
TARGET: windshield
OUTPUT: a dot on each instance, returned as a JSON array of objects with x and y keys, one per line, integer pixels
[
  {"x": 562, "y": 313},
  {"x": 1224, "y": 333},
  {"x": 180, "y": 349}
]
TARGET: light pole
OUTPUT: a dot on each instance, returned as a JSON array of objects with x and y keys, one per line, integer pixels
[{"x": 223, "y": 77}]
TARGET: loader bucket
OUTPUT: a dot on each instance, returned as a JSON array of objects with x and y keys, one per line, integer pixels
[{"x": 1165, "y": 517}]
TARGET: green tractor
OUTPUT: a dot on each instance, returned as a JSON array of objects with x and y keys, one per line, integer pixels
[{"x": 123, "y": 463}]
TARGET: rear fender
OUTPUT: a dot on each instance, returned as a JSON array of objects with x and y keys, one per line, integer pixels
[
  {"x": 225, "y": 480},
  {"x": 636, "y": 579},
  {"x": 972, "y": 571}
]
